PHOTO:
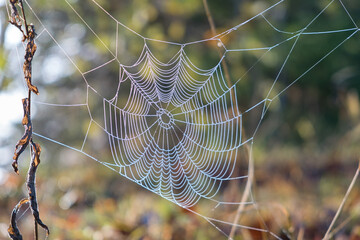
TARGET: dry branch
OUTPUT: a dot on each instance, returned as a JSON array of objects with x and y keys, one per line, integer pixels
[
  {"x": 28, "y": 31},
  {"x": 247, "y": 191},
  {"x": 30, "y": 183},
  {"x": 328, "y": 233}
]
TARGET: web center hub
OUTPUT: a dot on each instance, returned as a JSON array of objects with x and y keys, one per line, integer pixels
[{"x": 166, "y": 119}]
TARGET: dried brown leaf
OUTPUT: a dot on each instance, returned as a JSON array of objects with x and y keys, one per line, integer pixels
[{"x": 24, "y": 141}]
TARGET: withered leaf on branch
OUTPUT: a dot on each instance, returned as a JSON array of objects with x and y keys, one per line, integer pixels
[
  {"x": 13, "y": 230},
  {"x": 24, "y": 141},
  {"x": 30, "y": 47},
  {"x": 15, "y": 18},
  {"x": 30, "y": 183},
  {"x": 29, "y": 36},
  {"x": 29, "y": 54}
]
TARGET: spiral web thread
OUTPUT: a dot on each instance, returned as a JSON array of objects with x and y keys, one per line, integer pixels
[{"x": 181, "y": 128}]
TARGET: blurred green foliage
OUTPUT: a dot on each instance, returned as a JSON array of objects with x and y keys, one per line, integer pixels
[{"x": 305, "y": 152}]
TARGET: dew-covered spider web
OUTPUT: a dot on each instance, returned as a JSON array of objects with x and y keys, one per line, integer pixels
[{"x": 178, "y": 124}]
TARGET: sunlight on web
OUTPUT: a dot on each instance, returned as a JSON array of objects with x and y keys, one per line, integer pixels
[{"x": 172, "y": 125}]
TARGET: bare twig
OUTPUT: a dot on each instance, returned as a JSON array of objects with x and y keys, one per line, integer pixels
[
  {"x": 328, "y": 232},
  {"x": 246, "y": 193},
  {"x": 340, "y": 226},
  {"x": 301, "y": 234},
  {"x": 213, "y": 32}
]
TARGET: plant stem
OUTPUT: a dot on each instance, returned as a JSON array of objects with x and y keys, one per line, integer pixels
[
  {"x": 247, "y": 190},
  {"x": 327, "y": 234}
]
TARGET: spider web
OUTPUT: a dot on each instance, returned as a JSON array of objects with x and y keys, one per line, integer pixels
[{"x": 175, "y": 125}]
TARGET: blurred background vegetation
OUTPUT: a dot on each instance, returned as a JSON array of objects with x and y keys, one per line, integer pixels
[{"x": 305, "y": 152}]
